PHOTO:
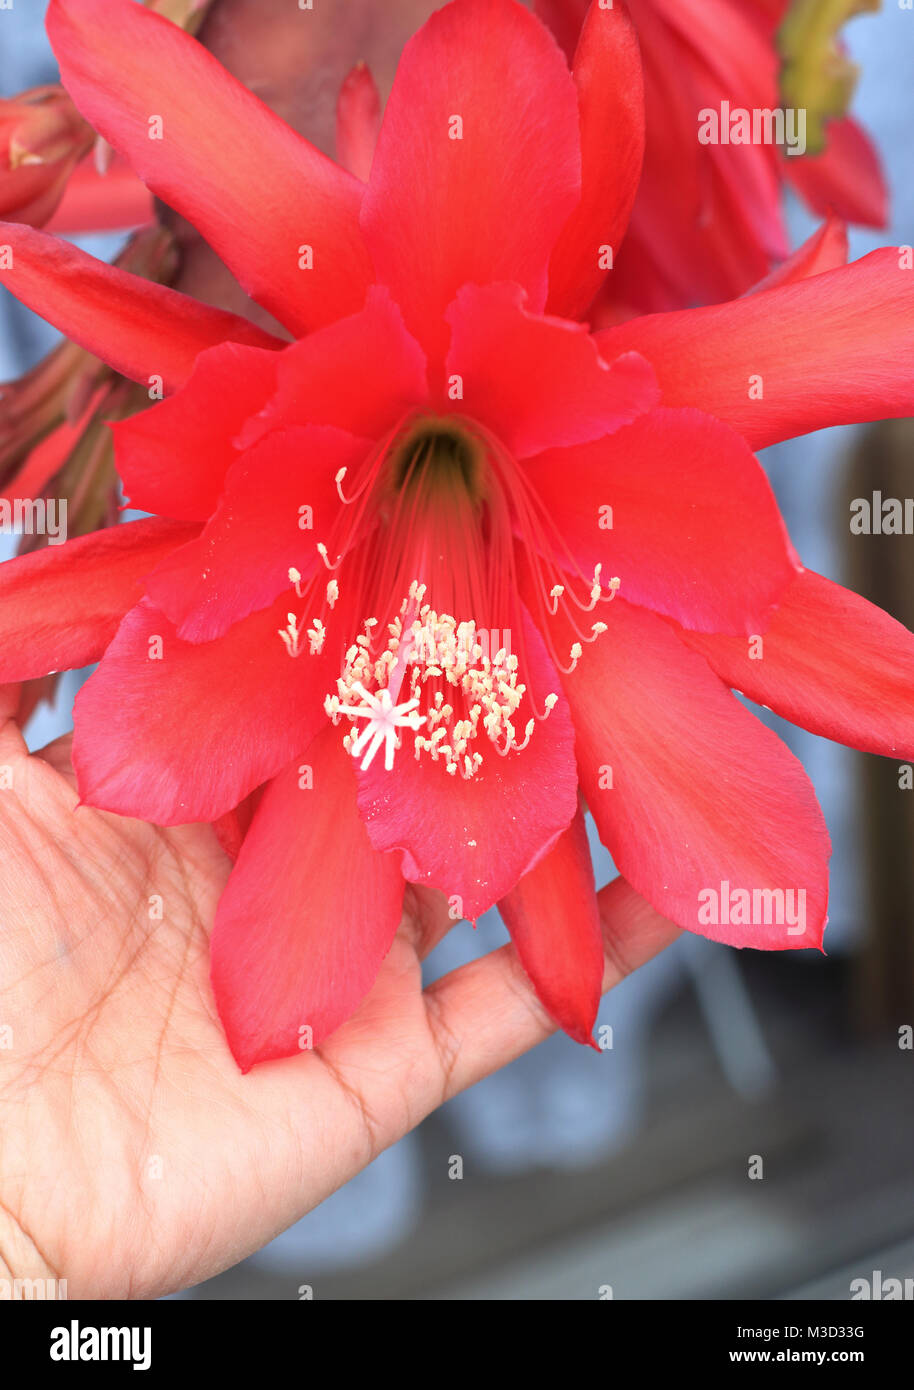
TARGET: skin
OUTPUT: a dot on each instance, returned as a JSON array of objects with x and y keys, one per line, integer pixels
[{"x": 135, "y": 1159}]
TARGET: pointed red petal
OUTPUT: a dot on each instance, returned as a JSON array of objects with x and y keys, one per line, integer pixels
[
  {"x": 607, "y": 74},
  {"x": 358, "y": 121},
  {"x": 214, "y": 152},
  {"x": 538, "y": 382},
  {"x": 173, "y": 458},
  {"x": 482, "y": 121},
  {"x": 475, "y": 838},
  {"x": 829, "y": 661},
  {"x": 144, "y": 331},
  {"x": 308, "y": 915},
  {"x": 61, "y": 606},
  {"x": 847, "y": 178},
  {"x": 679, "y": 508},
  {"x": 173, "y": 731},
  {"x": 691, "y": 792},
  {"x": 554, "y": 922},
  {"x": 831, "y": 350},
  {"x": 826, "y": 249}
]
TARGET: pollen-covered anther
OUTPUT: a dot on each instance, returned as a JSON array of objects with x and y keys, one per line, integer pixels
[
  {"x": 291, "y": 635},
  {"x": 322, "y": 552},
  {"x": 596, "y": 588},
  {"x": 338, "y": 480},
  {"x": 596, "y": 629}
]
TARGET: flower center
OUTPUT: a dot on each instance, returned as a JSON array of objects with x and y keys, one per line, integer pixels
[
  {"x": 438, "y": 452},
  {"x": 425, "y": 544},
  {"x": 470, "y": 694}
]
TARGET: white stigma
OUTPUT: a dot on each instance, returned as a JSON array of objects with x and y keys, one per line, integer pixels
[{"x": 384, "y": 720}]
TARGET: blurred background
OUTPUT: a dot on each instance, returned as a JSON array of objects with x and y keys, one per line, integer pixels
[{"x": 750, "y": 1131}]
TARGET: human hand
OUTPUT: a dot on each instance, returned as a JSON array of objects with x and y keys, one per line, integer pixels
[{"x": 135, "y": 1158}]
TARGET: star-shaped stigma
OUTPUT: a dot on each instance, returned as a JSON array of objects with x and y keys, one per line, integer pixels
[{"x": 384, "y": 719}]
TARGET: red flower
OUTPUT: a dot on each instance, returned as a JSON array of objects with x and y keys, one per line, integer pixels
[
  {"x": 437, "y": 428},
  {"x": 707, "y": 222},
  {"x": 48, "y": 175},
  {"x": 42, "y": 137}
]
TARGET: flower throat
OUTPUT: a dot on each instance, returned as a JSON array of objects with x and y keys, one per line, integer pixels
[{"x": 426, "y": 545}]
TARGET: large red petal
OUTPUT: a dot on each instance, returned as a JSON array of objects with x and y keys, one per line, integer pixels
[
  {"x": 607, "y": 74},
  {"x": 308, "y": 915},
  {"x": 173, "y": 458},
  {"x": 212, "y": 150},
  {"x": 830, "y": 350},
  {"x": 691, "y": 794},
  {"x": 693, "y": 531},
  {"x": 478, "y": 163},
  {"x": 280, "y": 499},
  {"x": 475, "y": 838},
  {"x": 554, "y": 921},
  {"x": 145, "y": 331},
  {"x": 173, "y": 731},
  {"x": 830, "y": 662},
  {"x": 538, "y": 382},
  {"x": 61, "y": 605},
  {"x": 315, "y": 378}
]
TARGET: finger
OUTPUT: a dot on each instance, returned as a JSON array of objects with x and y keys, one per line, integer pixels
[
  {"x": 633, "y": 932},
  {"x": 427, "y": 918},
  {"x": 378, "y": 1076},
  {"x": 485, "y": 1014},
  {"x": 10, "y": 704},
  {"x": 58, "y": 755}
]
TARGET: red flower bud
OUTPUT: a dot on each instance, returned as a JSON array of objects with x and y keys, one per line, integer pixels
[{"x": 42, "y": 138}]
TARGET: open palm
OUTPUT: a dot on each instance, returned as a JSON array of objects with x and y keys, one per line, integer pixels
[{"x": 135, "y": 1158}]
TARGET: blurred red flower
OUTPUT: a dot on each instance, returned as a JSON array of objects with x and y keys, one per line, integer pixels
[
  {"x": 708, "y": 221},
  {"x": 49, "y": 175}
]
